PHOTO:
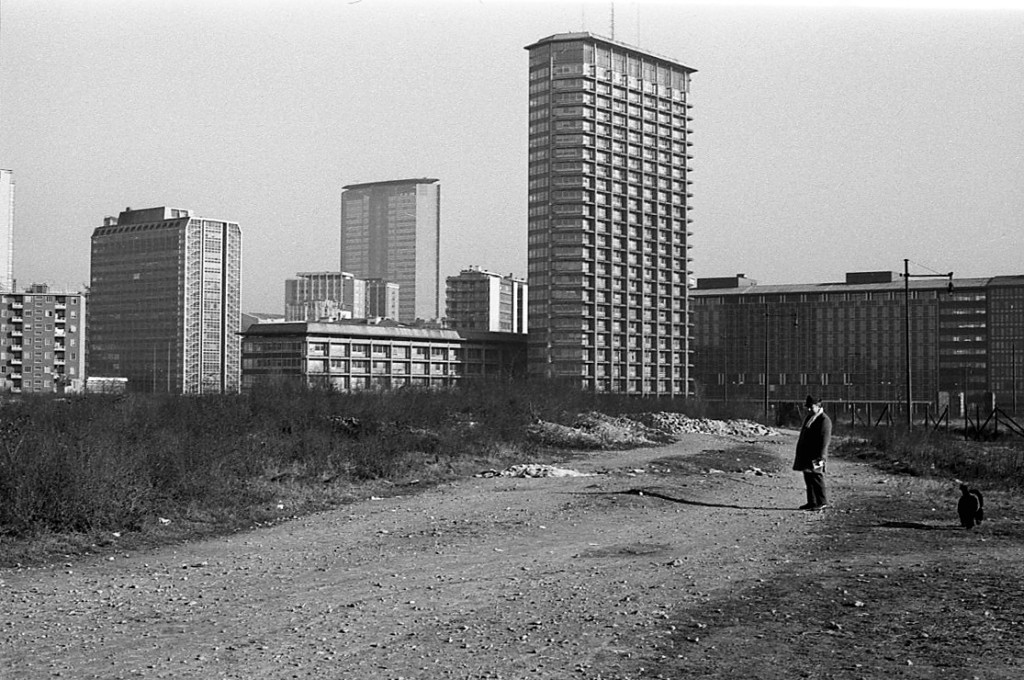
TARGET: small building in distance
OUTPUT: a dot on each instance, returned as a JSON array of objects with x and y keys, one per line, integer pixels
[
  {"x": 354, "y": 356},
  {"x": 331, "y": 296},
  {"x": 43, "y": 341},
  {"x": 478, "y": 299},
  {"x": 382, "y": 299}
]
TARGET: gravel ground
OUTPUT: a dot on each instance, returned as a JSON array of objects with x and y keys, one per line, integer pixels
[{"x": 685, "y": 559}]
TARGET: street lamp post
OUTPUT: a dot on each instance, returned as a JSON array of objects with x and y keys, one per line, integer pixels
[{"x": 906, "y": 330}]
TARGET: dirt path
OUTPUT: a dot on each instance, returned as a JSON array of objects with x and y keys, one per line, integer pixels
[{"x": 665, "y": 561}]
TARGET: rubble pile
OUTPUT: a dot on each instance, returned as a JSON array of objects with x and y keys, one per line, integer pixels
[
  {"x": 678, "y": 423},
  {"x": 599, "y": 431},
  {"x": 534, "y": 470}
]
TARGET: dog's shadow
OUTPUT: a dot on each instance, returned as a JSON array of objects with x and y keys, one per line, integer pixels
[{"x": 920, "y": 526}]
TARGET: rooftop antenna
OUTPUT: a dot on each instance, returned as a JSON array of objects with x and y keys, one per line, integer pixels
[{"x": 613, "y": 20}]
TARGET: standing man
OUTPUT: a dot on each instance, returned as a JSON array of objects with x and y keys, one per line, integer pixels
[{"x": 811, "y": 451}]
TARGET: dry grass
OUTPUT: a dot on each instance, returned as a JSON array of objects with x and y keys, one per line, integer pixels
[
  {"x": 927, "y": 453},
  {"x": 158, "y": 468}
]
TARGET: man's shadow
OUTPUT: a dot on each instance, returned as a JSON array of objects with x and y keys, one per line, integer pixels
[{"x": 684, "y": 501}]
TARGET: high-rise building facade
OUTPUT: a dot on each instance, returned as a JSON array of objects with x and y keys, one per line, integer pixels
[
  {"x": 42, "y": 348},
  {"x": 478, "y": 299},
  {"x": 165, "y": 302},
  {"x": 609, "y": 215},
  {"x": 846, "y": 342},
  {"x": 6, "y": 231},
  {"x": 391, "y": 231}
]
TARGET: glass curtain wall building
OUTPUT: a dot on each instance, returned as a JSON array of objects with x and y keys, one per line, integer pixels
[
  {"x": 391, "y": 231},
  {"x": 165, "y": 302},
  {"x": 609, "y": 214}
]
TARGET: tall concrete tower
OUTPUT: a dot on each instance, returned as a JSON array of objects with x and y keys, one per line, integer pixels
[{"x": 609, "y": 214}]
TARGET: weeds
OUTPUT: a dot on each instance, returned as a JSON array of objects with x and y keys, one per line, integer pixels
[
  {"x": 928, "y": 453},
  {"x": 171, "y": 468}
]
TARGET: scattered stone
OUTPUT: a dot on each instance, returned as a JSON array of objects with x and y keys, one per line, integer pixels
[{"x": 534, "y": 470}]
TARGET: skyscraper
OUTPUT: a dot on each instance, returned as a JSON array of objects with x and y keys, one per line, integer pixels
[
  {"x": 165, "y": 302},
  {"x": 608, "y": 216},
  {"x": 391, "y": 231},
  {"x": 6, "y": 231}
]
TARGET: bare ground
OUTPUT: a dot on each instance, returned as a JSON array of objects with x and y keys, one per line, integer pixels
[{"x": 667, "y": 562}]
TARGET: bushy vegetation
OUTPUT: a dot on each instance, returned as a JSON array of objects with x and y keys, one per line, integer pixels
[
  {"x": 929, "y": 453},
  {"x": 171, "y": 467}
]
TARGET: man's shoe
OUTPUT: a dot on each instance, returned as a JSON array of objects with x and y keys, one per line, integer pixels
[
  {"x": 818, "y": 508},
  {"x": 807, "y": 506}
]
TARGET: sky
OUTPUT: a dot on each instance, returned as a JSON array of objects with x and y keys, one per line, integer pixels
[{"x": 828, "y": 137}]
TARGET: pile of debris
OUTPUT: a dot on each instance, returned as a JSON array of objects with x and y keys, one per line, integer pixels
[
  {"x": 678, "y": 423},
  {"x": 533, "y": 470},
  {"x": 599, "y": 431}
]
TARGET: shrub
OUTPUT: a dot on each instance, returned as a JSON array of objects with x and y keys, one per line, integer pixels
[{"x": 96, "y": 463}]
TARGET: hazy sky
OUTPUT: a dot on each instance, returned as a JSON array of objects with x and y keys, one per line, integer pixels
[{"x": 827, "y": 139}]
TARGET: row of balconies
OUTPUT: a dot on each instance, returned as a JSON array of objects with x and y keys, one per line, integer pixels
[{"x": 58, "y": 304}]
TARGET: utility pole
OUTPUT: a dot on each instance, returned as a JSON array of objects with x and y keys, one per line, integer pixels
[{"x": 906, "y": 330}]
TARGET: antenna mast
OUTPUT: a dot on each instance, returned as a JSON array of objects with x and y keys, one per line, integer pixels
[{"x": 613, "y": 20}]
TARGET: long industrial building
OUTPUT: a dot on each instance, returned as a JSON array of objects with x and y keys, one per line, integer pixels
[
  {"x": 353, "y": 357},
  {"x": 847, "y": 342}
]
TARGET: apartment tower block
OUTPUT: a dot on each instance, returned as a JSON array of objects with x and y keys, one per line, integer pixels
[{"x": 609, "y": 215}]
